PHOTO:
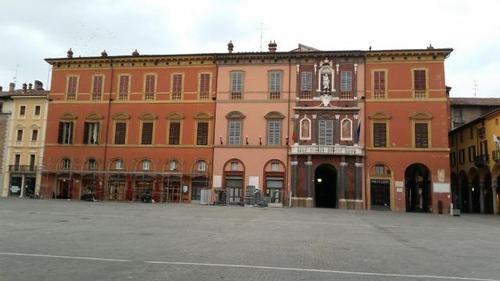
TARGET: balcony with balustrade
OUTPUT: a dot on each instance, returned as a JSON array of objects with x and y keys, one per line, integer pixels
[{"x": 315, "y": 149}]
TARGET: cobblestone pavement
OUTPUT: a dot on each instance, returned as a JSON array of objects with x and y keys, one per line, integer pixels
[{"x": 62, "y": 240}]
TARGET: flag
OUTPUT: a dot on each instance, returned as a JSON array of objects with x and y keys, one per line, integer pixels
[{"x": 358, "y": 133}]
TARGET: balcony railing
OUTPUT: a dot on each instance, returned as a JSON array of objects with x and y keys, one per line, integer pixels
[
  {"x": 275, "y": 95},
  {"x": 149, "y": 96},
  {"x": 22, "y": 168},
  {"x": 236, "y": 95},
  {"x": 379, "y": 94},
  {"x": 346, "y": 95},
  {"x": 481, "y": 160},
  {"x": 326, "y": 150},
  {"x": 305, "y": 95},
  {"x": 495, "y": 155},
  {"x": 420, "y": 94}
]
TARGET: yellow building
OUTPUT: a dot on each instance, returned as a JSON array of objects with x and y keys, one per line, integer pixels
[
  {"x": 475, "y": 164},
  {"x": 24, "y": 139}
]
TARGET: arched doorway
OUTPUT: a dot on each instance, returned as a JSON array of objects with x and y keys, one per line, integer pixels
[
  {"x": 488, "y": 194},
  {"x": 418, "y": 188},
  {"x": 325, "y": 186},
  {"x": 474, "y": 191},
  {"x": 464, "y": 192}
]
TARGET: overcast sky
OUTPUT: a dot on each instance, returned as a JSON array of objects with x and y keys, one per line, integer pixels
[{"x": 33, "y": 30}]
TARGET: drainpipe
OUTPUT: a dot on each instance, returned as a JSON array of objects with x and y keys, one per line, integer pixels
[
  {"x": 288, "y": 158},
  {"x": 365, "y": 126},
  {"x": 213, "y": 130},
  {"x": 108, "y": 117}
]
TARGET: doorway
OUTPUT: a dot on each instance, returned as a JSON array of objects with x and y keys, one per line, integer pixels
[
  {"x": 418, "y": 188},
  {"x": 325, "y": 186},
  {"x": 380, "y": 194}
]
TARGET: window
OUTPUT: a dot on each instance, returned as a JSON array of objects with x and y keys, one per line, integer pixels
[
  {"x": 177, "y": 87},
  {"x": 275, "y": 167},
  {"x": 273, "y": 132},
  {"x": 22, "y": 111},
  {"x": 234, "y": 132},
  {"x": 380, "y": 170},
  {"x": 274, "y": 85},
  {"x": 379, "y": 134},
  {"x": 204, "y": 86},
  {"x": 66, "y": 164},
  {"x": 17, "y": 160},
  {"x": 274, "y": 189},
  {"x": 32, "y": 162},
  {"x": 119, "y": 164},
  {"x": 421, "y": 135},
  {"x": 19, "y": 135},
  {"x": 202, "y": 133},
  {"x": 120, "y": 132},
  {"x": 147, "y": 133},
  {"x": 346, "y": 81},
  {"x": 453, "y": 160},
  {"x": 305, "y": 84},
  {"x": 65, "y": 133},
  {"x": 325, "y": 132},
  {"x": 146, "y": 165},
  {"x": 472, "y": 153},
  {"x": 34, "y": 135},
  {"x": 201, "y": 166},
  {"x": 91, "y": 133},
  {"x": 305, "y": 129},
  {"x": 37, "y": 110},
  {"x": 72, "y": 87},
  {"x": 471, "y": 133},
  {"x": 234, "y": 166},
  {"x": 97, "y": 88},
  {"x": 419, "y": 86},
  {"x": 123, "y": 87},
  {"x": 149, "y": 89},
  {"x": 91, "y": 164},
  {"x": 174, "y": 133},
  {"x": 379, "y": 84},
  {"x": 236, "y": 85},
  {"x": 461, "y": 156}
]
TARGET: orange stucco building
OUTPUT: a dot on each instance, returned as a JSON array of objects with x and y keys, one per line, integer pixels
[
  {"x": 130, "y": 127},
  {"x": 407, "y": 117}
]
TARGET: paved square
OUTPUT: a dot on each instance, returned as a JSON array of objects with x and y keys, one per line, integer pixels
[{"x": 61, "y": 240}]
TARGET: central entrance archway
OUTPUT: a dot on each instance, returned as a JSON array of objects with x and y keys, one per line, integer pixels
[
  {"x": 418, "y": 188},
  {"x": 325, "y": 186}
]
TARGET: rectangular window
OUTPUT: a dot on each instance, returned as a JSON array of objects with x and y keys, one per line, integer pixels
[
  {"x": 472, "y": 133},
  {"x": 202, "y": 133},
  {"x": 346, "y": 81},
  {"x": 380, "y": 170},
  {"x": 37, "y": 110},
  {"x": 147, "y": 133},
  {"x": 17, "y": 160},
  {"x": 22, "y": 110},
  {"x": 461, "y": 156},
  {"x": 65, "y": 135},
  {"x": 472, "y": 153},
  {"x": 273, "y": 132},
  {"x": 174, "y": 133},
  {"x": 19, "y": 135},
  {"x": 275, "y": 85},
  {"x": 72, "y": 87},
  {"x": 177, "y": 87},
  {"x": 149, "y": 88},
  {"x": 379, "y": 135},
  {"x": 420, "y": 86},
  {"x": 97, "y": 88},
  {"x": 120, "y": 132},
  {"x": 325, "y": 132},
  {"x": 204, "y": 86},
  {"x": 34, "y": 135},
  {"x": 234, "y": 132},
  {"x": 91, "y": 133},
  {"x": 453, "y": 160},
  {"x": 379, "y": 84},
  {"x": 123, "y": 87},
  {"x": 236, "y": 85},
  {"x": 306, "y": 81},
  {"x": 92, "y": 164},
  {"x": 32, "y": 162},
  {"x": 421, "y": 135}
]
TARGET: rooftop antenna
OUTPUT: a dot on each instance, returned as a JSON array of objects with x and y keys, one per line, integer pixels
[
  {"x": 475, "y": 88},
  {"x": 261, "y": 29}
]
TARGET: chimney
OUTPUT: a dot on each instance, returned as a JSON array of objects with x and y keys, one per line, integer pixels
[
  {"x": 38, "y": 85},
  {"x": 70, "y": 53},
  {"x": 25, "y": 87},
  {"x": 104, "y": 53},
  {"x": 12, "y": 86},
  {"x": 230, "y": 46},
  {"x": 272, "y": 46}
]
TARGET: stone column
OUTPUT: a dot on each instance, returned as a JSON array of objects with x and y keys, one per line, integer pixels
[
  {"x": 309, "y": 189},
  {"x": 294, "y": 163},
  {"x": 494, "y": 186},
  {"x": 358, "y": 178},
  {"x": 481, "y": 197},
  {"x": 342, "y": 180}
]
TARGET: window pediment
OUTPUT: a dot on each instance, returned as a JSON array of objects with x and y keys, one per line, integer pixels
[
  {"x": 175, "y": 116},
  {"x": 68, "y": 116},
  {"x": 380, "y": 116},
  {"x": 121, "y": 116},
  {"x": 94, "y": 117},
  {"x": 203, "y": 115},
  {"x": 421, "y": 116},
  {"x": 148, "y": 116},
  {"x": 235, "y": 115},
  {"x": 274, "y": 115}
]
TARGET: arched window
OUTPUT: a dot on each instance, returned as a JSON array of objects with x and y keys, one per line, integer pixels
[
  {"x": 91, "y": 164},
  {"x": 66, "y": 164},
  {"x": 146, "y": 165},
  {"x": 201, "y": 166},
  {"x": 172, "y": 165},
  {"x": 118, "y": 164},
  {"x": 305, "y": 128},
  {"x": 346, "y": 131}
]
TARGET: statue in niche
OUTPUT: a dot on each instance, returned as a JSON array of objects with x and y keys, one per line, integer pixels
[
  {"x": 326, "y": 82},
  {"x": 304, "y": 130}
]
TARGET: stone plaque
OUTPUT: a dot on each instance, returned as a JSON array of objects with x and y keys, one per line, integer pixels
[
  {"x": 399, "y": 184},
  {"x": 217, "y": 181},
  {"x": 441, "y": 175},
  {"x": 441, "y": 187}
]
